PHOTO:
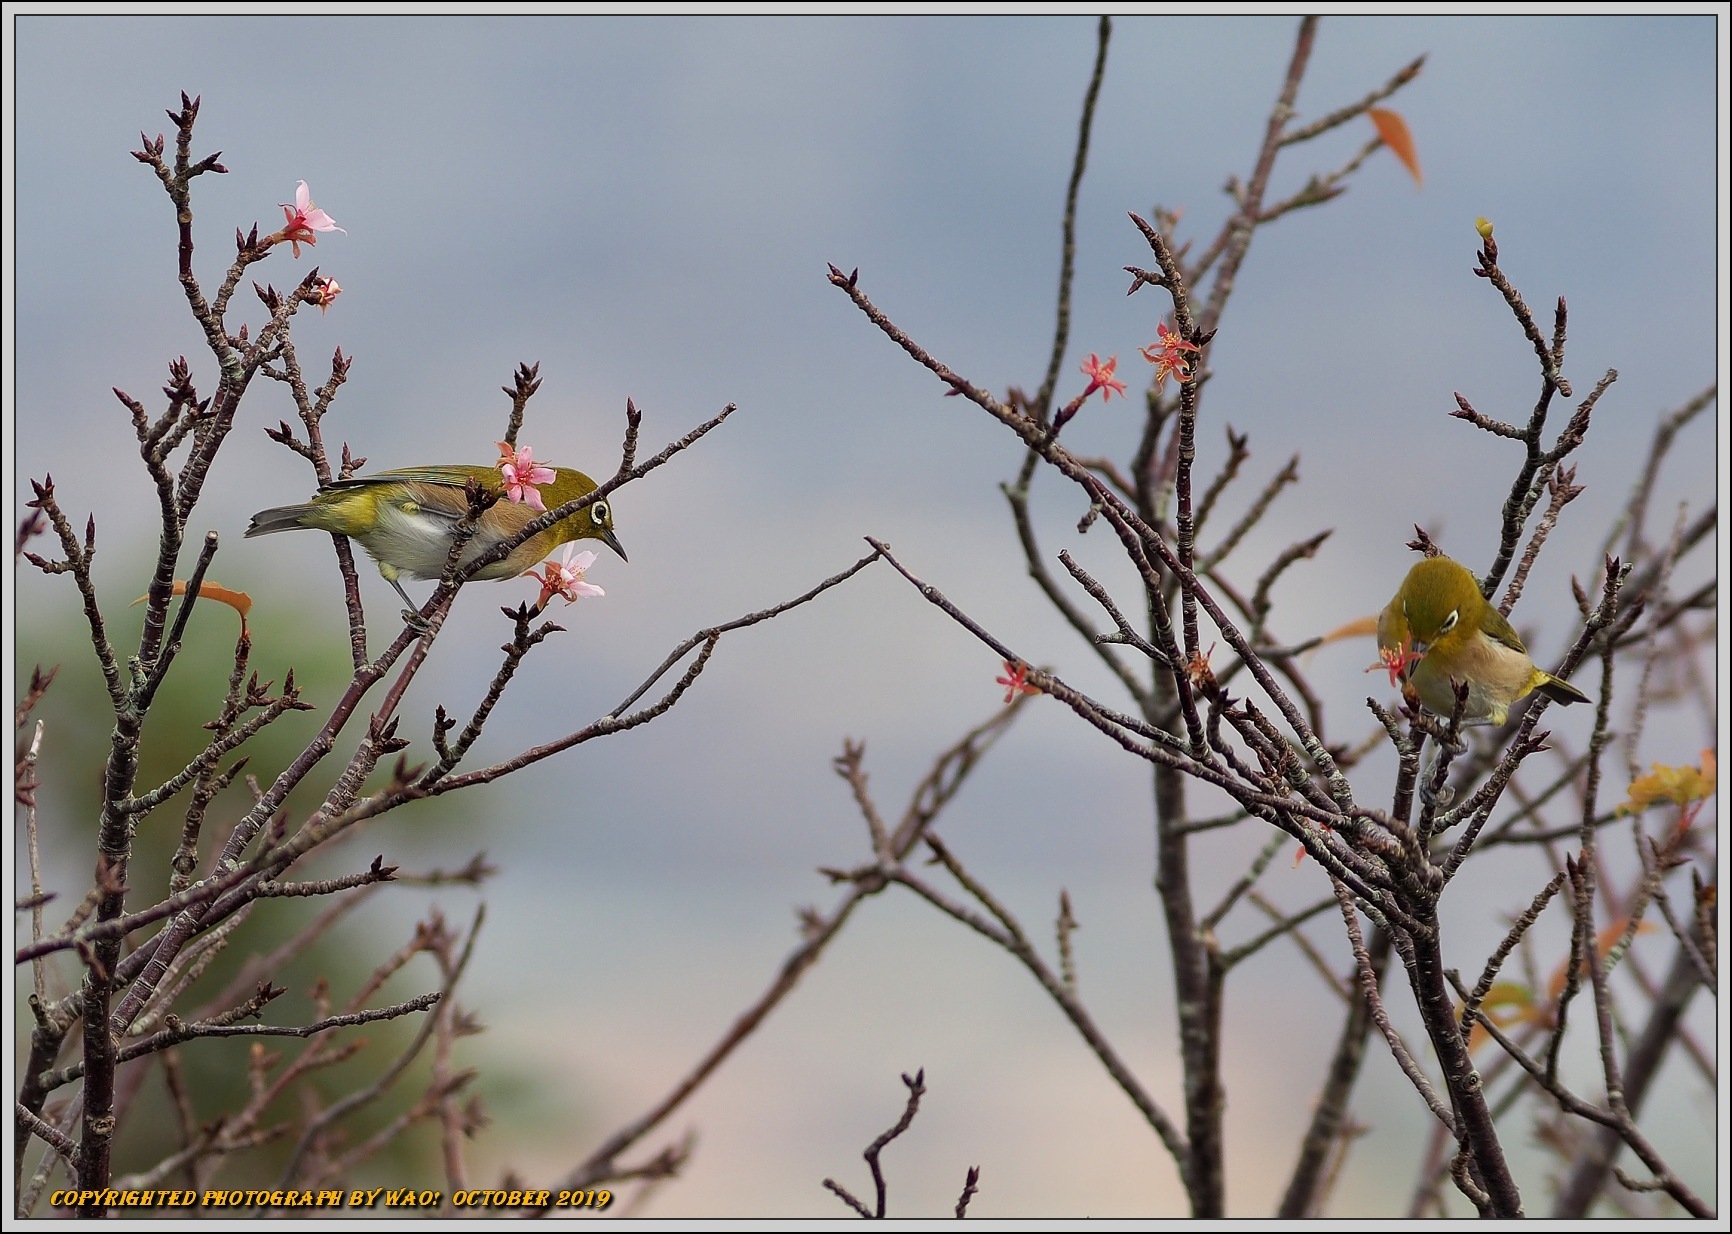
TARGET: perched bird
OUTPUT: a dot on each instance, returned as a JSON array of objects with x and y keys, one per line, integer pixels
[
  {"x": 406, "y": 519},
  {"x": 1439, "y": 629}
]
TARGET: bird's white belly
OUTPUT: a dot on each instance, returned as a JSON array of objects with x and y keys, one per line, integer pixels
[{"x": 418, "y": 543}]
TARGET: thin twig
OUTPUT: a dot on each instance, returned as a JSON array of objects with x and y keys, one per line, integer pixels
[{"x": 388, "y": 1077}]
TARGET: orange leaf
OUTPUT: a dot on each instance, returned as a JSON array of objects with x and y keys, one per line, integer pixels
[
  {"x": 1393, "y": 129},
  {"x": 1359, "y": 627},
  {"x": 240, "y": 601},
  {"x": 1606, "y": 940}
]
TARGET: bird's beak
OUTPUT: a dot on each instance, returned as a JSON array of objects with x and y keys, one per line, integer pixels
[
  {"x": 1418, "y": 648},
  {"x": 612, "y": 541}
]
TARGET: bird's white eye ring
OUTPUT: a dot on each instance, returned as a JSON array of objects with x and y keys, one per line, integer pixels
[
  {"x": 1449, "y": 621},
  {"x": 599, "y": 514}
]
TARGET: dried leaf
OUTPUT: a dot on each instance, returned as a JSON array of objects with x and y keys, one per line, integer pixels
[
  {"x": 1393, "y": 129},
  {"x": 240, "y": 601},
  {"x": 1359, "y": 627}
]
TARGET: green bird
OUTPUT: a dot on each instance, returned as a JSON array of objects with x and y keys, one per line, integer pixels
[
  {"x": 1439, "y": 630},
  {"x": 407, "y": 519}
]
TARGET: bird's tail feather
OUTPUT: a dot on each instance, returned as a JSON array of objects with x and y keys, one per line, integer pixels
[
  {"x": 1558, "y": 690},
  {"x": 279, "y": 518}
]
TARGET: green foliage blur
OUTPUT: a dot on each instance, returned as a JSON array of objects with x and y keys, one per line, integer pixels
[{"x": 77, "y": 727}]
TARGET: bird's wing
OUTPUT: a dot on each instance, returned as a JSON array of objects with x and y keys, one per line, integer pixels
[
  {"x": 451, "y": 477},
  {"x": 1498, "y": 628},
  {"x": 1391, "y": 625},
  {"x": 440, "y": 496}
]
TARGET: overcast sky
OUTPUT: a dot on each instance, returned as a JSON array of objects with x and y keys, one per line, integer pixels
[{"x": 646, "y": 206}]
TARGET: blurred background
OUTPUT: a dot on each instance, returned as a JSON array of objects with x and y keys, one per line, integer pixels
[{"x": 646, "y": 206}]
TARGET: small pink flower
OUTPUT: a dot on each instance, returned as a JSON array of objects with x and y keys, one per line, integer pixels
[
  {"x": 1017, "y": 682},
  {"x": 565, "y": 578},
  {"x": 1167, "y": 355},
  {"x": 1100, "y": 377},
  {"x": 522, "y": 473},
  {"x": 328, "y": 290},
  {"x": 1396, "y": 661},
  {"x": 304, "y": 218}
]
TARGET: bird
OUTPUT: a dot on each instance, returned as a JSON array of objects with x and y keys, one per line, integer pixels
[
  {"x": 1440, "y": 629},
  {"x": 406, "y": 519}
]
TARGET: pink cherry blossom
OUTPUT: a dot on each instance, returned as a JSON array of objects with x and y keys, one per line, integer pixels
[
  {"x": 565, "y": 578},
  {"x": 1100, "y": 375},
  {"x": 328, "y": 290},
  {"x": 522, "y": 474},
  {"x": 1396, "y": 661},
  {"x": 1167, "y": 355},
  {"x": 1017, "y": 681},
  {"x": 304, "y": 218}
]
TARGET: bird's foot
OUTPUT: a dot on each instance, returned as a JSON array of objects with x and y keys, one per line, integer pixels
[{"x": 1435, "y": 798}]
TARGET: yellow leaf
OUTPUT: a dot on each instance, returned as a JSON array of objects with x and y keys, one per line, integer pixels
[
  {"x": 1507, "y": 1003},
  {"x": 1506, "y": 1000},
  {"x": 1393, "y": 129},
  {"x": 240, "y": 601},
  {"x": 1677, "y": 784}
]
